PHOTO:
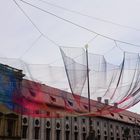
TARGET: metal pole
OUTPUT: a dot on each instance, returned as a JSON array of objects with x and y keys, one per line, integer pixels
[
  {"x": 88, "y": 84},
  {"x": 91, "y": 133}
]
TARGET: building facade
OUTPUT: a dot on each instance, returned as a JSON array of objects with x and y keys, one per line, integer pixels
[{"x": 113, "y": 126}]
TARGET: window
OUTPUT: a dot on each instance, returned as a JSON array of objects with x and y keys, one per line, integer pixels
[
  {"x": 121, "y": 116},
  {"x": 36, "y": 133},
  {"x": 24, "y": 131},
  {"x": 76, "y": 136},
  {"x": 117, "y": 127},
  {"x": 11, "y": 124},
  {"x": 48, "y": 124},
  {"x": 130, "y": 119},
  {"x": 32, "y": 92},
  {"x": 70, "y": 103},
  {"x": 112, "y": 114},
  {"x": 37, "y": 122},
  {"x": 84, "y": 129},
  {"x": 67, "y": 133},
  {"x": 117, "y": 134},
  {"x": 83, "y": 120},
  {"x": 48, "y": 134},
  {"x": 84, "y": 136},
  {"x": 75, "y": 119},
  {"x": 67, "y": 118},
  {"x": 57, "y": 134},
  {"x": 138, "y": 121},
  {"x": 24, "y": 120},
  {"x": 134, "y": 131},
  {"x": 98, "y": 123},
  {"x": 58, "y": 125},
  {"x": 86, "y": 107},
  {"x": 98, "y": 137},
  {"x": 91, "y": 121},
  {"x": 105, "y": 137},
  {"x": 67, "y": 127},
  {"x": 53, "y": 98},
  {"x": 10, "y": 127},
  {"x": 75, "y": 128}
]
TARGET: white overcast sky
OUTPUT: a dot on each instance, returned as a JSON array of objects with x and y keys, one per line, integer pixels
[{"x": 17, "y": 34}]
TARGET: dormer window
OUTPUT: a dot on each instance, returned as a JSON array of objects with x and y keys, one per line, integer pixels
[
  {"x": 70, "y": 103},
  {"x": 138, "y": 121},
  {"x": 130, "y": 119},
  {"x": 121, "y": 116},
  {"x": 86, "y": 107},
  {"x": 53, "y": 98},
  {"x": 112, "y": 114},
  {"x": 32, "y": 92}
]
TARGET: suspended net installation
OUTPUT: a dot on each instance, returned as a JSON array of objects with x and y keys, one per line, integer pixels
[{"x": 52, "y": 91}]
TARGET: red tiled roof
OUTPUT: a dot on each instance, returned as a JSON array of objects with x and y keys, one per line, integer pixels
[{"x": 59, "y": 98}]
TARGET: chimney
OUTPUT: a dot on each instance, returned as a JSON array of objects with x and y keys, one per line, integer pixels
[
  {"x": 99, "y": 99},
  {"x": 106, "y": 101}
]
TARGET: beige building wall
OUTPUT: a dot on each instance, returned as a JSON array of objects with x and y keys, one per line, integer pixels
[{"x": 77, "y": 128}]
